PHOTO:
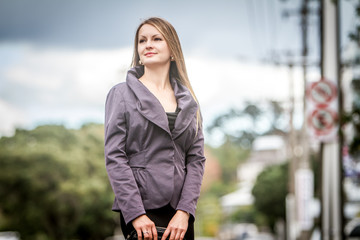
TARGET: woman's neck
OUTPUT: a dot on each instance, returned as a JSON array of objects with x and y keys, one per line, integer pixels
[{"x": 158, "y": 77}]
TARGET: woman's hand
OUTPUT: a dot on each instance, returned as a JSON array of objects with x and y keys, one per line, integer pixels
[
  {"x": 145, "y": 228},
  {"x": 177, "y": 226}
]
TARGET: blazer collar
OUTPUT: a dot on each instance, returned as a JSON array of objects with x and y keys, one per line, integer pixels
[{"x": 150, "y": 107}]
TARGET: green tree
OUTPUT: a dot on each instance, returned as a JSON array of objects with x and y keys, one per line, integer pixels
[
  {"x": 353, "y": 117},
  {"x": 248, "y": 214},
  {"x": 355, "y": 34},
  {"x": 277, "y": 113},
  {"x": 209, "y": 212},
  {"x": 242, "y": 126},
  {"x": 208, "y": 215},
  {"x": 230, "y": 155},
  {"x": 53, "y": 184},
  {"x": 270, "y": 192}
]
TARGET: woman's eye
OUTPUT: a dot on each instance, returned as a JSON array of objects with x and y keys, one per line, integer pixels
[
  {"x": 158, "y": 39},
  {"x": 141, "y": 41}
]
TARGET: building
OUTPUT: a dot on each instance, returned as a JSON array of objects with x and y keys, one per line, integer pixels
[{"x": 266, "y": 151}]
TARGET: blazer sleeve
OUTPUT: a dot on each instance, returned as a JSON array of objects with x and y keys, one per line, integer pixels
[
  {"x": 119, "y": 172},
  {"x": 195, "y": 164}
]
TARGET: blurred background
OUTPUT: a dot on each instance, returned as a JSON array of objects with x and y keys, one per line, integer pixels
[{"x": 250, "y": 63}]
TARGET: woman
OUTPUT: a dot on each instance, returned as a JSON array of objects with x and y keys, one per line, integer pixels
[{"x": 154, "y": 145}]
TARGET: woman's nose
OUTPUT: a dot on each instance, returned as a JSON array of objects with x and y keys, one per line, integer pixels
[{"x": 148, "y": 44}]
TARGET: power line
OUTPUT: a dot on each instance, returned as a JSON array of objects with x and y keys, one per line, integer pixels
[{"x": 273, "y": 21}]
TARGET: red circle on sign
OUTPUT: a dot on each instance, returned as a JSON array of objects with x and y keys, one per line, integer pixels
[
  {"x": 322, "y": 121},
  {"x": 322, "y": 93}
]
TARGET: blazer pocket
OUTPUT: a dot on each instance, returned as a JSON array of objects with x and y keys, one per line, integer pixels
[
  {"x": 137, "y": 163},
  {"x": 141, "y": 177}
]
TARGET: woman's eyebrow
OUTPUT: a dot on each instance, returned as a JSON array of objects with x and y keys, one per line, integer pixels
[{"x": 157, "y": 34}]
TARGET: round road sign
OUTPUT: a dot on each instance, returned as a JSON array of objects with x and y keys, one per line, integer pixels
[
  {"x": 322, "y": 92},
  {"x": 323, "y": 121}
]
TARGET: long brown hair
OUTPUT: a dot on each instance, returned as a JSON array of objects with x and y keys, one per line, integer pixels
[{"x": 177, "y": 66}]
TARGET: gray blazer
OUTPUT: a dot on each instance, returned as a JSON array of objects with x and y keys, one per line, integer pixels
[{"x": 149, "y": 166}]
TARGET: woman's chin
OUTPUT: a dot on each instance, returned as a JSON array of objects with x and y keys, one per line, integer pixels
[{"x": 156, "y": 63}]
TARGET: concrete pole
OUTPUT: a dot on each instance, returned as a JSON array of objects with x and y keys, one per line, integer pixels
[{"x": 331, "y": 216}]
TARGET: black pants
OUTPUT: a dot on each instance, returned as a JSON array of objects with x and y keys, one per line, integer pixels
[{"x": 161, "y": 217}]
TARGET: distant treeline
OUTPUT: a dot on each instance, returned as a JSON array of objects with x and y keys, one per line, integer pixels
[{"x": 53, "y": 184}]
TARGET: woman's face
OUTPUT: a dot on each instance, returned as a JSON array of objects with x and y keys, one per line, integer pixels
[{"x": 152, "y": 47}]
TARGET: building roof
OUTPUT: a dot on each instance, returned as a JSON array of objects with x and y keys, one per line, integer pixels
[{"x": 270, "y": 142}]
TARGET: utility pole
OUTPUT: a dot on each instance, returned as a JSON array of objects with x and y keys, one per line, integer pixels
[
  {"x": 290, "y": 198},
  {"x": 303, "y": 172},
  {"x": 301, "y": 187},
  {"x": 304, "y": 24},
  {"x": 332, "y": 215}
]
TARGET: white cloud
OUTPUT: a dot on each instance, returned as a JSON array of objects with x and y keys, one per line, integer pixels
[
  {"x": 221, "y": 84},
  {"x": 11, "y": 118},
  {"x": 60, "y": 86},
  {"x": 229, "y": 80},
  {"x": 70, "y": 87},
  {"x": 69, "y": 77}
]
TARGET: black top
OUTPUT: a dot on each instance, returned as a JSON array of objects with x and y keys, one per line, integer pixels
[{"x": 171, "y": 118}]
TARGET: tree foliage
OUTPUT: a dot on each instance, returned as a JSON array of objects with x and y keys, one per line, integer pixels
[
  {"x": 209, "y": 215},
  {"x": 270, "y": 191},
  {"x": 230, "y": 155},
  {"x": 353, "y": 117},
  {"x": 53, "y": 184},
  {"x": 242, "y": 125},
  {"x": 272, "y": 183},
  {"x": 248, "y": 214},
  {"x": 355, "y": 34}
]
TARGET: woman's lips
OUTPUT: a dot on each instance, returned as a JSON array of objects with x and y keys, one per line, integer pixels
[{"x": 150, "y": 54}]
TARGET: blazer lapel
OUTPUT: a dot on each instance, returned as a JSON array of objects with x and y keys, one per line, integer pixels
[
  {"x": 187, "y": 106},
  {"x": 148, "y": 105}
]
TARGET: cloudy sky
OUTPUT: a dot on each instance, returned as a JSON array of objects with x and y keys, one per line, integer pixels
[{"x": 58, "y": 59}]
